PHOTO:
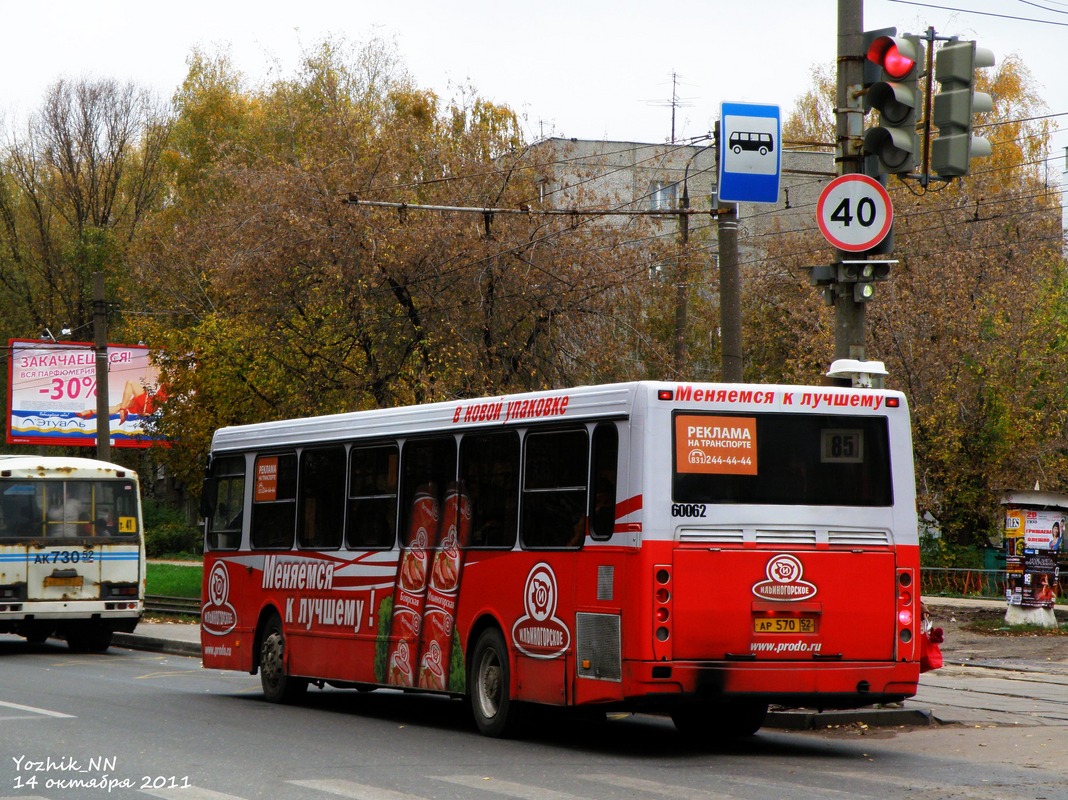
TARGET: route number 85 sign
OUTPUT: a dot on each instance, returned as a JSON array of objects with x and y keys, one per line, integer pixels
[{"x": 854, "y": 213}]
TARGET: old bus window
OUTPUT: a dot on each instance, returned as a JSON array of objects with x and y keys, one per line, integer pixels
[
  {"x": 372, "y": 520},
  {"x": 74, "y": 509},
  {"x": 602, "y": 512},
  {"x": 554, "y": 489},
  {"x": 322, "y": 497},
  {"x": 225, "y": 501},
  {"x": 114, "y": 508},
  {"x": 428, "y": 468},
  {"x": 782, "y": 459},
  {"x": 489, "y": 469},
  {"x": 274, "y": 501}
]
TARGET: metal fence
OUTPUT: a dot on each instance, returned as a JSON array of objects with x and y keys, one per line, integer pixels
[
  {"x": 977, "y": 582},
  {"x": 974, "y": 582},
  {"x": 185, "y": 606}
]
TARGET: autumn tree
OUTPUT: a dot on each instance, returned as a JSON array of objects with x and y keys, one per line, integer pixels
[
  {"x": 75, "y": 187},
  {"x": 969, "y": 324},
  {"x": 971, "y": 327},
  {"x": 286, "y": 295}
]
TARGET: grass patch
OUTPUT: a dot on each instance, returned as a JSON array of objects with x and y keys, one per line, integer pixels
[
  {"x": 998, "y": 627},
  {"x": 172, "y": 580}
]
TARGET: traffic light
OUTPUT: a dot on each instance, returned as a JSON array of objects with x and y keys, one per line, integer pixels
[
  {"x": 954, "y": 106},
  {"x": 895, "y": 94},
  {"x": 863, "y": 275}
]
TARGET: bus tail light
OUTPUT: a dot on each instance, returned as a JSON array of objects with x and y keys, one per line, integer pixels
[
  {"x": 662, "y": 600},
  {"x": 127, "y": 590},
  {"x": 906, "y": 616}
]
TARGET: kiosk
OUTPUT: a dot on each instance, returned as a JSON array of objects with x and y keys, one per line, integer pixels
[{"x": 1034, "y": 529}]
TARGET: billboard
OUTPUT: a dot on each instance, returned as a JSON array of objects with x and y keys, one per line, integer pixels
[{"x": 52, "y": 391}]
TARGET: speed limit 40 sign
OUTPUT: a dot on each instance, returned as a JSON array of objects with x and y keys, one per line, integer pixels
[{"x": 854, "y": 213}]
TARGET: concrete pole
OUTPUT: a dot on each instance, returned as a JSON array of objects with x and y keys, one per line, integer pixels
[
  {"x": 730, "y": 284},
  {"x": 730, "y": 293},
  {"x": 100, "y": 345},
  {"x": 849, "y": 156}
]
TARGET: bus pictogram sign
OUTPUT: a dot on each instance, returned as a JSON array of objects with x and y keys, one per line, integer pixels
[{"x": 854, "y": 213}]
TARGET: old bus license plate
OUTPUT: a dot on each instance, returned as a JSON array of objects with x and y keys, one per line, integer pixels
[
  {"x": 63, "y": 580},
  {"x": 784, "y": 625}
]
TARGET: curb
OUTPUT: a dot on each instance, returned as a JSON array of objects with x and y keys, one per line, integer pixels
[
  {"x": 870, "y": 717},
  {"x": 155, "y": 644}
]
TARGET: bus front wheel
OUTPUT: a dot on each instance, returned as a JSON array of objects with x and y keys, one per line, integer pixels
[
  {"x": 496, "y": 714},
  {"x": 278, "y": 686}
]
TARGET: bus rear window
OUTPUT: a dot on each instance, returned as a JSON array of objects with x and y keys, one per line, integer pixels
[
  {"x": 68, "y": 509},
  {"x": 781, "y": 459}
]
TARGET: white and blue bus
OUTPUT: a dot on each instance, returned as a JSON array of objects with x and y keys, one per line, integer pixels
[{"x": 72, "y": 551}]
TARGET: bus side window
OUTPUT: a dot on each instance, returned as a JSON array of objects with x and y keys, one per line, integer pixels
[
  {"x": 554, "y": 491},
  {"x": 322, "y": 497},
  {"x": 603, "y": 474},
  {"x": 224, "y": 502},
  {"x": 274, "y": 501},
  {"x": 372, "y": 498},
  {"x": 489, "y": 470},
  {"x": 428, "y": 465}
]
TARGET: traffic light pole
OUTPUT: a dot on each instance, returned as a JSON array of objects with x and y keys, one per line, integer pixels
[{"x": 849, "y": 314}]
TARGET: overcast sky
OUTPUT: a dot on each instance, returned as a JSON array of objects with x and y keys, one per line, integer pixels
[{"x": 595, "y": 69}]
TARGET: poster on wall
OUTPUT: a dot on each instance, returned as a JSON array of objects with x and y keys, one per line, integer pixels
[
  {"x": 52, "y": 394},
  {"x": 1043, "y": 529},
  {"x": 1033, "y": 542}
]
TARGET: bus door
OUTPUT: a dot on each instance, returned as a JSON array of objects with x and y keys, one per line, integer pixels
[
  {"x": 784, "y": 526},
  {"x": 568, "y": 499}
]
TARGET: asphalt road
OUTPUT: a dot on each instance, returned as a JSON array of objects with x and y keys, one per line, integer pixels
[{"x": 164, "y": 727}]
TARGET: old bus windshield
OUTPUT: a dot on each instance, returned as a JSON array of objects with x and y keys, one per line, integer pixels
[{"x": 781, "y": 459}]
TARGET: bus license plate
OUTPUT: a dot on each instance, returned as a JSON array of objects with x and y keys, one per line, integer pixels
[
  {"x": 784, "y": 625},
  {"x": 63, "y": 580}
]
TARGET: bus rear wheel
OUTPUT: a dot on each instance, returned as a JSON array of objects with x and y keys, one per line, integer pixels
[
  {"x": 496, "y": 714},
  {"x": 722, "y": 720},
  {"x": 278, "y": 686}
]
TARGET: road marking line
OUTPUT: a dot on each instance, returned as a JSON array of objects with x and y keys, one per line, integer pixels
[
  {"x": 508, "y": 788},
  {"x": 42, "y": 711},
  {"x": 655, "y": 787},
  {"x": 189, "y": 793},
  {"x": 355, "y": 791}
]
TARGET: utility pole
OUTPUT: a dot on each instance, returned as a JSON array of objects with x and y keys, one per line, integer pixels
[
  {"x": 849, "y": 157},
  {"x": 682, "y": 279},
  {"x": 100, "y": 345}
]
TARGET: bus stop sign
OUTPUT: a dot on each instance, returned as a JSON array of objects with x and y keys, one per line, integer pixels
[{"x": 750, "y": 147}]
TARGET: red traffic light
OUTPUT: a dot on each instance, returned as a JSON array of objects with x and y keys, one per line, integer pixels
[{"x": 897, "y": 57}]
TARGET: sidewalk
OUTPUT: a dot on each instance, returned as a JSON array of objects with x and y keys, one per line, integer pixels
[{"x": 993, "y": 692}]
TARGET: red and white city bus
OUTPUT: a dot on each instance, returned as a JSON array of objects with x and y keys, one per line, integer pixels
[{"x": 700, "y": 550}]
